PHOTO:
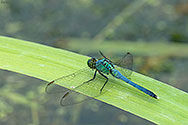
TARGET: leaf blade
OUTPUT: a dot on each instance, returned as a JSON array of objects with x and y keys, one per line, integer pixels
[{"x": 48, "y": 63}]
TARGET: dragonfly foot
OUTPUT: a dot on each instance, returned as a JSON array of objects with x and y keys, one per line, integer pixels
[{"x": 100, "y": 91}]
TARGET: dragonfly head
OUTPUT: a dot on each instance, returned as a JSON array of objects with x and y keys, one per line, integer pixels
[{"x": 92, "y": 63}]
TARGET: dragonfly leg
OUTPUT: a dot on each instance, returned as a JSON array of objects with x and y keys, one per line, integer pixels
[
  {"x": 105, "y": 82},
  {"x": 92, "y": 78},
  {"x": 67, "y": 93},
  {"x": 104, "y": 55}
]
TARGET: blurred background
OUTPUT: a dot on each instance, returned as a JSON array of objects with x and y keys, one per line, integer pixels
[{"x": 155, "y": 32}]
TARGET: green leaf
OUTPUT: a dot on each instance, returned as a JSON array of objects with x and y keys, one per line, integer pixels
[{"x": 48, "y": 63}]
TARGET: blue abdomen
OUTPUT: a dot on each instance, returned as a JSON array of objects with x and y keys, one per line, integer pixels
[{"x": 118, "y": 75}]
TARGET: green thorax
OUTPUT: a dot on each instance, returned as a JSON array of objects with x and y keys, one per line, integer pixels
[{"x": 104, "y": 65}]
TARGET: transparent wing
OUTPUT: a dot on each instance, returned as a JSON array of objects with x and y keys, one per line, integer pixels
[
  {"x": 125, "y": 65},
  {"x": 78, "y": 84},
  {"x": 54, "y": 87}
]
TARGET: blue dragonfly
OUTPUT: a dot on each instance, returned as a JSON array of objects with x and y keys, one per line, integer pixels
[{"x": 103, "y": 67}]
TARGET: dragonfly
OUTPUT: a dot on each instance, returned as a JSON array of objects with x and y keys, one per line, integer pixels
[{"x": 104, "y": 67}]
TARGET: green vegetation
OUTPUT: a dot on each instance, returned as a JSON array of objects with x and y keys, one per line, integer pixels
[
  {"x": 154, "y": 31},
  {"x": 141, "y": 48},
  {"x": 47, "y": 63}
]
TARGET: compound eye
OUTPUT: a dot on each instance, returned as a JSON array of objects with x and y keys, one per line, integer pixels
[{"x": 94, "y": 60}]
